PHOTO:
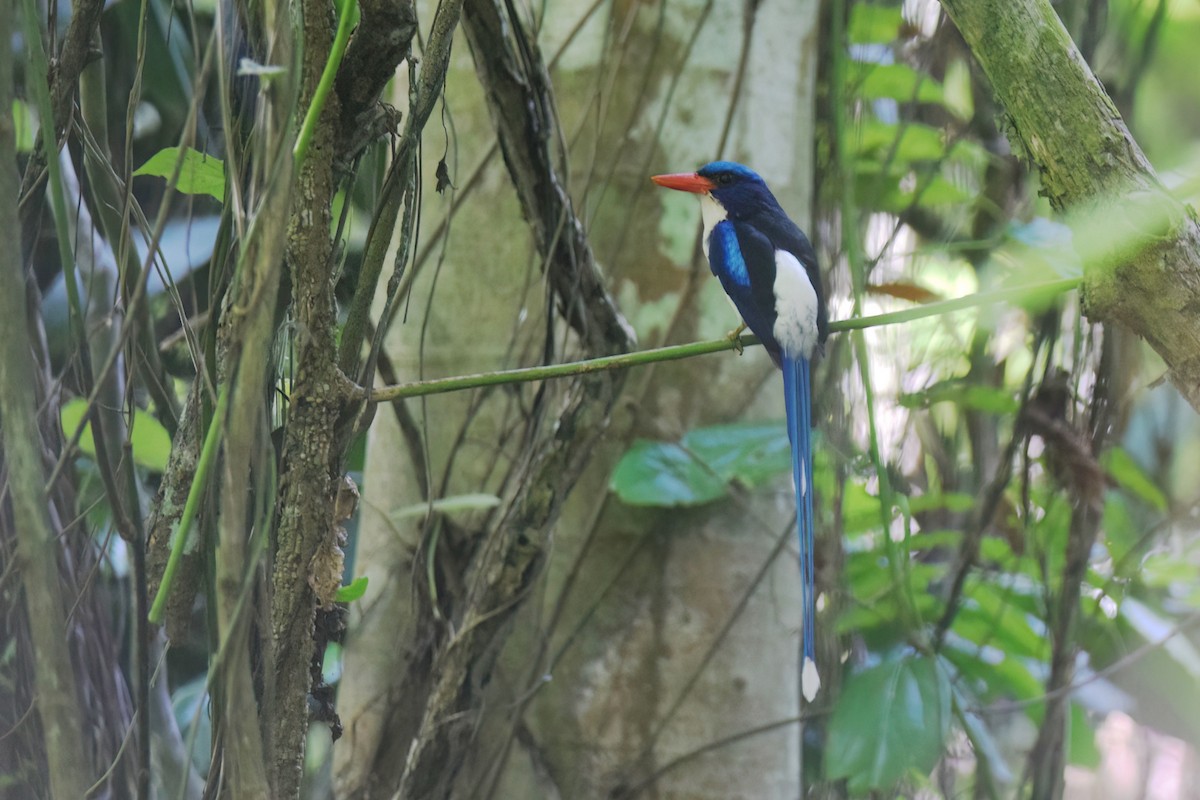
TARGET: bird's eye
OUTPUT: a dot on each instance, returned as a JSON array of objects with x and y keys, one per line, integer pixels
[{"x": 724, "y": 179}]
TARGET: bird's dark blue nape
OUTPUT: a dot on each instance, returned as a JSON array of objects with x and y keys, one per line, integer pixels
[{"x": 768, "y": 268}]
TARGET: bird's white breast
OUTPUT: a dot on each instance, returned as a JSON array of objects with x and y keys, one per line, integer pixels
[
  {"x": 711, "y": 212},
  {"x": 795, "y": 307}
]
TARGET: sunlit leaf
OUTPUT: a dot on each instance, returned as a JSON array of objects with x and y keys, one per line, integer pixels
[
  {"x": 890, "y": 719},
  {"x": 934, "y": 192},
  {"x": 150, "y": 442},
  {"x": 900, "y": 142},
  {"x": 871, "y": 24},
  {"x": 352, "y": 591},
  {"x": 896, "y": 81},
  {"x": 200, "y": 173},
  {"x": 957, "y": 89},
  {"x": 26, "y": 126},
  {"x": 860, "y": 510}
]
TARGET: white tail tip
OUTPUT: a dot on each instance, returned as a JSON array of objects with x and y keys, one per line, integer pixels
[{"x": 810, "y": 681}]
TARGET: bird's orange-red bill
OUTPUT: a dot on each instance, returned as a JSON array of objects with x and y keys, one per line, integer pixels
[{"x": 684, "y": 182}]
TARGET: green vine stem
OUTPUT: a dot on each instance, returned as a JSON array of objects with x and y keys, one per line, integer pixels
[
  {"x": 1027, "y": 293},
  {"x": 203, "y": 467}
]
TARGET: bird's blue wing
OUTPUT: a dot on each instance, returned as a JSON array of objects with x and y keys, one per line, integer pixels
[
  {"x": 797, "y": 400},
  {"x": 745, "y": 265}
]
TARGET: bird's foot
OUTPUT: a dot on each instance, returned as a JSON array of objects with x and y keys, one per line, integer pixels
[{"x": 735, "y": 337}]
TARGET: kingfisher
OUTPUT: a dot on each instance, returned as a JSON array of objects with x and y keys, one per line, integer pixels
[{"x": 769, "y": 270}]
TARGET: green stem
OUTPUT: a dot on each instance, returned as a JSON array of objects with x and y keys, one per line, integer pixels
[
  {"x": 203, "y": 468},
  {"x": 58, "y": 200},
  {"x": 346, "y": 17},
  {"x": 676, "y": 352}
]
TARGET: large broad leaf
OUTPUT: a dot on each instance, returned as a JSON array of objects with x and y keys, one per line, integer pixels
[
  {"x": 200, "y": 173},
  {"x": 664, "y": 474},
  {"x": 891, "y": 720},
  {"x": 148, "y": 439},
  {"x": 750, "y": 453},
  {"x": 700, "y": 467}
]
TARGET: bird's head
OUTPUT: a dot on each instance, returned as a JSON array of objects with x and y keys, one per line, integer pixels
[{"x": 739, "y": 190}]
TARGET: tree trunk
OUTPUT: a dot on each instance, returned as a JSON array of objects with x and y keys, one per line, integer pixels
[
  {"x": 625, "y": 620},
  {"x": 1141, "y": 247}
]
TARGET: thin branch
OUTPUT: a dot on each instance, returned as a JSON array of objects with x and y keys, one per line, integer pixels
[{"x": 676, "y": 352}]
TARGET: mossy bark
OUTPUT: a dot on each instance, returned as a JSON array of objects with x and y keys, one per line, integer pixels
[{"x": 1141, "y": 247}]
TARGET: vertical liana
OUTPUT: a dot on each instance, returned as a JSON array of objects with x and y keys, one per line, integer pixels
[
  {"x": 248, "y": 325},
  {"x": 306, "y": 497},
  {"x": 508, "y": 561},
  {"x": 57, "y": 701}
]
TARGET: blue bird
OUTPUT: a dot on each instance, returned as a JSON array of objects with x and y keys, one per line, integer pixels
[{"x": 768, "y": 268}]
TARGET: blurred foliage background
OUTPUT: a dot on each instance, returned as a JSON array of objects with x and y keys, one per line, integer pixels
[{"x": 1007, "y": 492}]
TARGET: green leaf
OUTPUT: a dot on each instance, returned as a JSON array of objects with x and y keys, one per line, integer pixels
[
  {"x": 149, "y": 440},
  {"x": 860, "y": 510},
  {"x": 989, "y": 399},
  {"x": 873, "y": 24},
  {"x": 751, "y": 453},
  {"x": 200, "y": 174},
  {"x": 26, "y": 126},
  {"x": 352, "y": 591},
  {"x": 896, "y": 81},
  {"x": 1129, "y": 476},
  {"x": 1081, "y": 740},
  {"x": 958, "y": 89},
  {"x": 987, "y": 617},
  {"x": 957, "y": 502},
  {"x": 699, "y": 469},
  {"x": 449, "y": 505},
  {"x": 932, "y": 192},
  {"x": 663, "y": 474},
  {"x": 906, "y": 142},
  {"x": 991, "y": 673},
  {"x": 890, "y": 720}
]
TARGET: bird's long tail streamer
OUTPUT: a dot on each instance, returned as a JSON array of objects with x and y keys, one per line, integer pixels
[{"x": 798, "y": 399}]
